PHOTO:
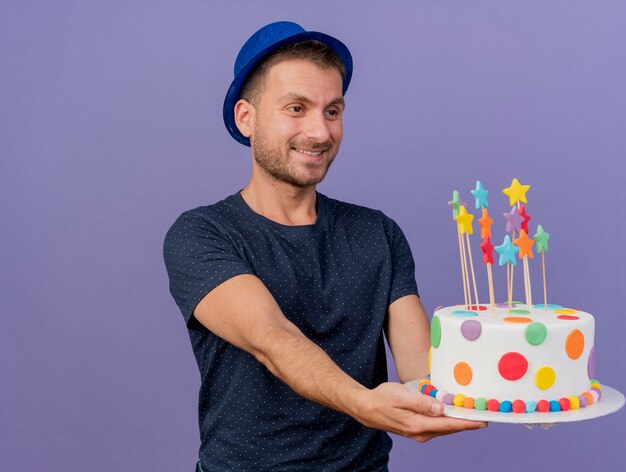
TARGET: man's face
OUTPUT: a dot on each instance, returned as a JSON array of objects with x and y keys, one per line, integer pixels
[{"x": 298, "y": 123}]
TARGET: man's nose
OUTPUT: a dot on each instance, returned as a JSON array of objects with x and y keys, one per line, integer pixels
[{"x": 317, "y": 127}]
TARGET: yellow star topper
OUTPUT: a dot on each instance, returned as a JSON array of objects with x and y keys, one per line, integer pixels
[
  {"x": 464, "y": 221},
  {"x": 516, "y": 192}
]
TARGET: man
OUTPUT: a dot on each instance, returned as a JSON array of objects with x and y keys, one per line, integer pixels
[{"x": 287, "y": 293}]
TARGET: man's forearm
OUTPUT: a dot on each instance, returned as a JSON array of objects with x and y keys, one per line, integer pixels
[{"x": 309, "y": 371}]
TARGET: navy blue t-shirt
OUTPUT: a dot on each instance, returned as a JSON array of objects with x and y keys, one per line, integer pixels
[{"x": 334, "y": 280}]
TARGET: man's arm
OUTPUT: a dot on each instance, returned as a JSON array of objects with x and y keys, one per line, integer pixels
[
  {"x": 243, "y": 312},
  {"x": 408, "y": 334}
]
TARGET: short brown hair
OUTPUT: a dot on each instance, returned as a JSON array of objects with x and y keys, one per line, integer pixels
[{"x": 312, "y": 50}]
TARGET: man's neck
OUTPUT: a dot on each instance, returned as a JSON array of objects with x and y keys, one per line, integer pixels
[{"x": 281, "y": 202}]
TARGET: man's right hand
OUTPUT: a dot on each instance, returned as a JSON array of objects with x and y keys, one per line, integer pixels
[{"x": 394, "y": 408}]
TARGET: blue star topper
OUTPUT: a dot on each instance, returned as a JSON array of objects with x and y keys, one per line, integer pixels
[
  {"x": 480, "y": 194},
  {"x": 507, "y": 251}
]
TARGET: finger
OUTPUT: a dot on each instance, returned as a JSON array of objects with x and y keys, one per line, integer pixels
[
  {"x": 445, "y": 425},
  {"x": 428, "y": 406}
]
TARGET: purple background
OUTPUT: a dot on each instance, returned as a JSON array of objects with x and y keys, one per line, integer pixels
[{"x": 110, "y": 127}]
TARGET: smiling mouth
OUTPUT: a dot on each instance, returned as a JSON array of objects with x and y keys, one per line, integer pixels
[{"x": 308, "y": 153}]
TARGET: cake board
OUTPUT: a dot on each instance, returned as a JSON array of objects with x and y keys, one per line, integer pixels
[{"x": 612, "y": 400}]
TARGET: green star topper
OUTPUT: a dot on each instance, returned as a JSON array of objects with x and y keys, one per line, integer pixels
[{"x": 541, "y": 238}]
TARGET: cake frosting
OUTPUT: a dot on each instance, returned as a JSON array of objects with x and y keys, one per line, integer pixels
[{"x": 538, "y": 358}]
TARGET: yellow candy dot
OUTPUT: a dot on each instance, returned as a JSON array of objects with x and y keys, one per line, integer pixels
[
  {"x": 458, "y": 399},
  {"x": 565, "y": 311},
  {"x": 574, "y": 402},
  {"x": 545, "y": 377},
  {"x": 430, "y": 357}
]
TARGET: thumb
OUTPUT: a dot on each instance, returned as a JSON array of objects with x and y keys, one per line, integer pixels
[
  {"x": 428, "y": 406},
  {"x": 420, "y": 403}
]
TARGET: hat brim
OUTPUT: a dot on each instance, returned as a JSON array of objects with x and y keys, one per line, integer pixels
[{"x": 234, "y": 91}]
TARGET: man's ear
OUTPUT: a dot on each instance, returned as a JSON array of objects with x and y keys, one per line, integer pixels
[{"x": 244, "y": 117}]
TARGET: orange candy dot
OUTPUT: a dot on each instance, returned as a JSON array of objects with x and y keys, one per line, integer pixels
[
  {"x": 517, "y": 319},
  {"x": 462, "y": 373},
  {"x": 575, "y": 344},
  {"x": 589, "y": 398},
  {"x": 468, "y": 402}
]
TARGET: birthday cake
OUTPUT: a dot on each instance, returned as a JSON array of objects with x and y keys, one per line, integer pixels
[
  {"x": 509, "y": 357},
  {"x": 537, "y": 359}
]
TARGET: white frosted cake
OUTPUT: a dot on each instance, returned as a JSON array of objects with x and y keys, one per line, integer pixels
[{"x": 531, "y": 359}]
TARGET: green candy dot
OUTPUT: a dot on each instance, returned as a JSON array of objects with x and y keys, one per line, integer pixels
[
  {"x": 480, "y": 403},
  {"x": 536, "y": 333},
  {"x": 519, "y": 311},
  {"x": 435, "y": 332}
]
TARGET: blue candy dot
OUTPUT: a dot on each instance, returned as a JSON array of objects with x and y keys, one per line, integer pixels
[
  {"x": 506, "y": 406},
  {"x": 531, "y": 406},
  {"x": 555, "y": 406},
  {"x": 422, "y": 388},
  {"x": 464, "y": 313},
  {"x": 549, "y": 306},
  {"x": 433, "y": 393}
]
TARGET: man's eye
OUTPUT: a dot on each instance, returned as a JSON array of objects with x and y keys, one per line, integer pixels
[
  {"x": 333, "y": 112},
  {"x": 295, "y": 108}
]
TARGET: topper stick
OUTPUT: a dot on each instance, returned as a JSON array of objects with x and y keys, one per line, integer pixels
[
  {"x": 545, "y": 290},
  {"x": 458, "y": 232},
  {"x": 466, "y": 273},
  {"x": 469, "y": 250},
  {"x": 530, "y": 288},
  {"x": 491, "y": 297},
  {"x": 512, "y": 275},
  {"x": 508, "y": 285},
  {"x": 525, "y": 267}
]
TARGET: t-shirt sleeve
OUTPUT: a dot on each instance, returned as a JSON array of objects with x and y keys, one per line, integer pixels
[
  {"x": 199, "y": 256},
  {"x": 402, "y": 264}
]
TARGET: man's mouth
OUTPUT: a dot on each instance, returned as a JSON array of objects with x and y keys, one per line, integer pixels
[{"x": 308, "y": 153}]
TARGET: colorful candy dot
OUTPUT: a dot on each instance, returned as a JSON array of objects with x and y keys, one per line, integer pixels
[
  {"x": 478, "y": 308},
  {"x": 565, "y": 311},
  {"x": 594, "y": 394},
  {"x": 598, "y": 392},
  {"x": 480, "y": 403},
  {"x": 517, "y": 319},
  {"x": 568, "y": 317},
  {"x": 591, "y": 363},
  {"x": 565, "y": 404},
  {"x": 462, "y": 373},
  {"x": 535, "y": 333},
  {"x": 428, "y": 389},
  {"x": 493, "y": 405},
  {"x": 463, "y": 313},
  {"x": 531, "y": 406},
  {"x": 519, "y": 311},
  {"x": 448, "y": 399},
  {"x": 574, "y": 402},
  {"x": 543, "y": 406},
  {"x": 433, "y": 393},
  {"x": 422, "y": 389},
  {"x": 506, "y": 406},
  {"x": 471, "y": 329},
  {"x": 519, "y": 406},
  {"x": 458, "y": 399},
  {"x": 512, "y": 366},
  {"x": 589, "y": 398},
  {"x": 468, "y": 403},
  {"x": 549, "y": 306},
  {"x": 435, "y": 332},
  {"x": 545, "y": 377},
  {"x": 583, "y": 401},
  {"x": 575, "y": 344},
  {"x": 555, "y": 406}
]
